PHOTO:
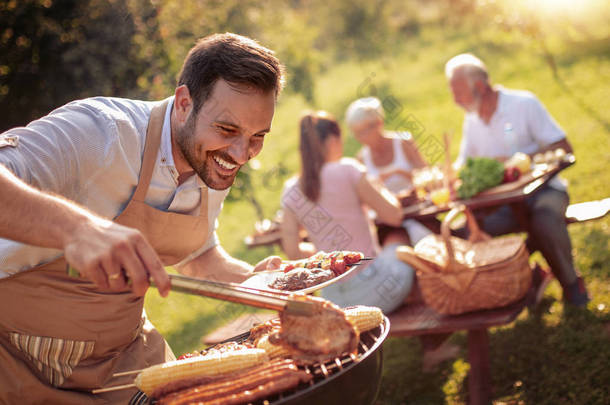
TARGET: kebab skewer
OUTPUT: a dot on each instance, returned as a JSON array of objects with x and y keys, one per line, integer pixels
[{"x": 337, "y": 261}]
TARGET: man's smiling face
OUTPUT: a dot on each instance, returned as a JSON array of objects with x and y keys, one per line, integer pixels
[{"x": 228, "y": 130}]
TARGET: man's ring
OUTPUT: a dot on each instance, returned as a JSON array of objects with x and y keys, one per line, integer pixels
[{"x": 114, "y": 276}]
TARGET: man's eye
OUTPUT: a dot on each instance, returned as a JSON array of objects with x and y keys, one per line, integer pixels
[{"x": 226, "y": 129}]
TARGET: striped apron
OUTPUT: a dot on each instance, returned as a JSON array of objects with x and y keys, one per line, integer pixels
[{"x": 61, "y": 337}]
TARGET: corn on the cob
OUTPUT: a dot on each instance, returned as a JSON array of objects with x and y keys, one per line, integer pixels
[
  {"x": 364, "y": 318},
  {"x": 272, "y": 350},
  {"x": 201, "y": 366}
]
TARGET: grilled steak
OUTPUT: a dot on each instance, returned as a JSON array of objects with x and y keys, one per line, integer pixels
[
  {"x": 300, "y": 278},
  {"x": 321, "y": 336}
]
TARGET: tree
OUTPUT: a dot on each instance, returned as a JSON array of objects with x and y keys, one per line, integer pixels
[{"x": 54, "y": 51}]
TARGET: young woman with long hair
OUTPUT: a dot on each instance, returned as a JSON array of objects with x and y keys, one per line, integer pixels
[{"x": 330, "y": 199}]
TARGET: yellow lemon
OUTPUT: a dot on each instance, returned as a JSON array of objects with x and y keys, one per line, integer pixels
[{"x": 440, "y": 196}]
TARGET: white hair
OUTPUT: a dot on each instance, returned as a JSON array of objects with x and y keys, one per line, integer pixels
[
  {"x": 363, "y": 109},
  {"x": 469, "y": 65}
]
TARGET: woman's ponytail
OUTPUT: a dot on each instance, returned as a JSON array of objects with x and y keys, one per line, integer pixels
[{"x": 314, "y": 128}]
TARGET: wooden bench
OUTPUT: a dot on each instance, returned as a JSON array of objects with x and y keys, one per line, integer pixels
[{"x": 417, "y": 319}]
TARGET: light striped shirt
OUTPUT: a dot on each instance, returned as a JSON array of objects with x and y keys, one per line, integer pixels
[{"x": 90, "y": 151}]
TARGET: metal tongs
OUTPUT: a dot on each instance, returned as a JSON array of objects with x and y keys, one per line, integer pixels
[{"x": 275, "y": 300}]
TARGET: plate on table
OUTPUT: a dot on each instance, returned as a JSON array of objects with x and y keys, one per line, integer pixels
[
  {"x": 262, "y": 280},
  {"x": 537, "y": 172}
]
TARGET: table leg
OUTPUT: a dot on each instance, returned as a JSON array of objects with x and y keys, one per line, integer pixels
[{"x": 479, "y": 381}]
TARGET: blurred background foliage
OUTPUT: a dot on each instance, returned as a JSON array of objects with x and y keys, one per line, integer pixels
[{"x": 53, "y": 51}]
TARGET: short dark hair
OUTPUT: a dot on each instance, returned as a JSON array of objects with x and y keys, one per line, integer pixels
[{"x": 233, "y": 58}]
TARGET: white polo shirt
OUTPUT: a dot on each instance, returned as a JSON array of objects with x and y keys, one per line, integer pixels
[
  {"x": 519, "y": 124},
  {"x": 90, "y": 151}
]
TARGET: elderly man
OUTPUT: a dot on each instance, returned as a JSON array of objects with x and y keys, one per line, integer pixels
[
  {"x": 119, "y": 188},
  {"x": 500, "y": 122}
]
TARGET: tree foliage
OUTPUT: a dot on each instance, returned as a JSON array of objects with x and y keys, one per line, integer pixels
[{"x": 52, "y": 52}]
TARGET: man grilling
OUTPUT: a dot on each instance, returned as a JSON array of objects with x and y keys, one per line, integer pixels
[{"x": 117, "y": 189}]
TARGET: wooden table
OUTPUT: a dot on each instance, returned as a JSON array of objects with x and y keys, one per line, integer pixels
[
  {"x": 513, "y": 195},
  {"x": 418, "y": 319},
  {"x": 426, "y": 211}
]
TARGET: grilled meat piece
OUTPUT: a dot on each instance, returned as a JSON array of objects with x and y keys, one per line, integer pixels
[
  {"x": 324, "y": 335},
  {"x": 300, "y": 278},
  {"x": 263, "y": 329}
]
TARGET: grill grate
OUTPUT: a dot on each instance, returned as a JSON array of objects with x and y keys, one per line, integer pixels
[{"x": 322, "y": 373}]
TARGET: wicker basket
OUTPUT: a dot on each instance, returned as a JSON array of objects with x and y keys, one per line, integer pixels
[{"x": 457, "y": 276}]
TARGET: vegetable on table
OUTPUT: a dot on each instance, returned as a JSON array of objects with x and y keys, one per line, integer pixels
[{"x": 479, "y": 174}]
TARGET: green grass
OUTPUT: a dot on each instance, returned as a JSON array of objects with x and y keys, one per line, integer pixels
[{"x": 554, "y": 356}]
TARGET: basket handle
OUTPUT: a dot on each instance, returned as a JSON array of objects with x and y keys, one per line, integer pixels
[
  {"x": 408, "y": 255},
  {"x": 476, "y": 234}
]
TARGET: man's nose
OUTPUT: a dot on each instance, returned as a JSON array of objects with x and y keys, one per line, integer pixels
[{"x": 239, "y": 150}]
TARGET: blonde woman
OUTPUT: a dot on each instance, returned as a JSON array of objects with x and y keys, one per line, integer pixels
[
  {"x": 388, "y": 156},
  {"x": 330, "y": 199}
]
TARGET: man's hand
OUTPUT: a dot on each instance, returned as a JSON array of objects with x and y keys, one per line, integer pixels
[
  {"x": 269, "y": 263},
  {"x": 216, "y": 264},
  {"x": 106, "y": 253},
  {"x": 109, "y": 254}
]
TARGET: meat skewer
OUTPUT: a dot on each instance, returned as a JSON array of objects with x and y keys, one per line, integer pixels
[
  {"x": 113, "y": 388},
  {"x": 288, "y": 265},
  {"x": 337, "y": 261}
]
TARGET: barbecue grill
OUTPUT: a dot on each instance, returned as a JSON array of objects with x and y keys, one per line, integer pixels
[{"x": 351, "y": 379}]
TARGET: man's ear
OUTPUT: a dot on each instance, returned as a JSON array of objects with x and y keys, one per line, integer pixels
[{"x": 183, "y": 103}]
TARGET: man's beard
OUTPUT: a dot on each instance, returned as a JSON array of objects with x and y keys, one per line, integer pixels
[
  {"x": 473, "y": 107},
  {"x": 475, "y": 104},
  {"x": 185, "y": 141}
]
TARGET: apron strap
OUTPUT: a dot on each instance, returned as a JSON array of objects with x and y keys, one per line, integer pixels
[
  {"x": 151, "y": 149},
  {"x": 203, "y": 207}
]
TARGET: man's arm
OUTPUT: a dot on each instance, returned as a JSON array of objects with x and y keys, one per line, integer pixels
[
  {"x": 545, "y": 130},
  {"x": 216, "y": 264},
  {"x": 95, "y": 246}
]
